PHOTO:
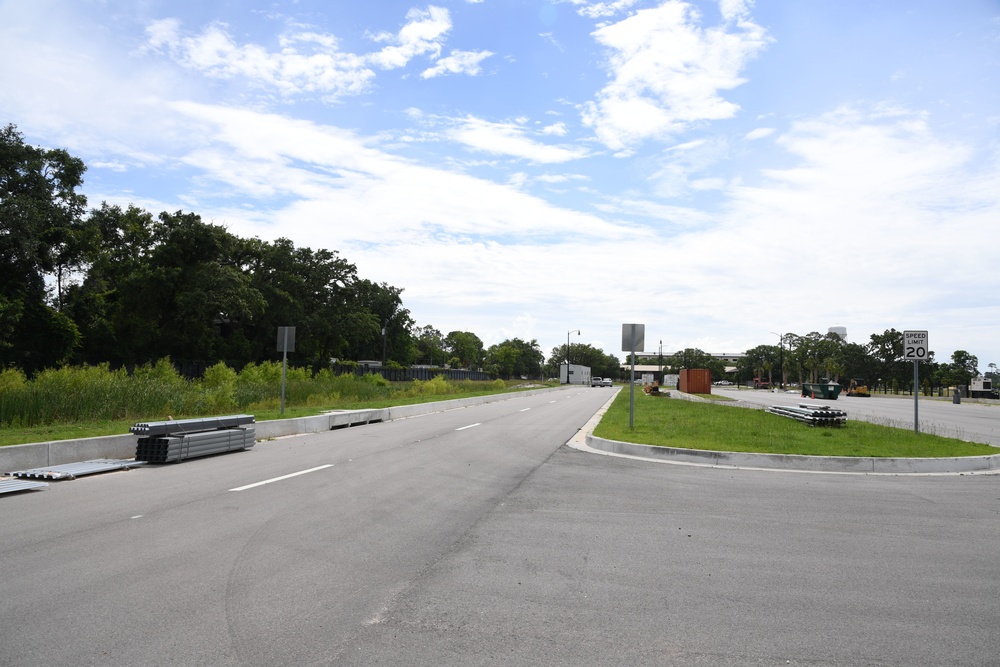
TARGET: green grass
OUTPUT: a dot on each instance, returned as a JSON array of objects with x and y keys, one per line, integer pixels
[
  {"x": 669, "y": 422},
  {"x": 403, "y": 393}
]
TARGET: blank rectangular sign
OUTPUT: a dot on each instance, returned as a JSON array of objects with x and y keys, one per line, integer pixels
[
  {"x": 639, "y": 333},
  {"x": 282, "y": 339}
]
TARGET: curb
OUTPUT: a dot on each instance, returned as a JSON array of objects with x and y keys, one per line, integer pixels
[
  {"x": 802, "y": 463},
  {"x": 586, "y": 441}
]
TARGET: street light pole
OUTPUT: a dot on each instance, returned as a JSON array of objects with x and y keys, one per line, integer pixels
[
  {"x": 660, "y": 364},
  {"x": 577, "y": 331}
]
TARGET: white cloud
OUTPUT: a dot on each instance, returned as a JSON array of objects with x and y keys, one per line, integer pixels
[
  {"x": 665, "y": 217},
  {"x": 680, "y": 163},
  {"x": 510, "y": 139},
  {"x": 759, "y": 133},
  {"x": 458, "y": 62},
  {"x": 422, "y": 35},
  {"x": 309, "y": 61},
  {"x": 214, "y": 53},
  {"x": 881, "y": 202},
  {"x": 557, "y": 129},
  {"x": 595, "y": 10},
  {"x": 323, "y": 169},
  {"x": 667, "y": 72},
  {"x": 734, "y": 10},
  {"x": 560, "y": 178}
]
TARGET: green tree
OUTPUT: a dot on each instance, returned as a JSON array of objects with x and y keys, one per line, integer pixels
[
  {"x": 691, "y": 357},
  {"x": 381, "y": 303},
  {"x": 310, "y": 290},
  {"x": 119, "y": 242},
  {"x": 430, "y": 346},
  {"x": 40, "y": 237},
  {"x": 887, "y": 351},
  {"x": 188, "y": 294},
  {"x": 466, "y": 347},
  {"x": 966, "y": 364},
  {"x": 756, "y": 361},
  {"x": 515, "y": 358},
  {"x": 858, "y": 363}
]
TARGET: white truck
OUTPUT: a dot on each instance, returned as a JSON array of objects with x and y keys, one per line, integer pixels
[{"x": 600, "y": 382}]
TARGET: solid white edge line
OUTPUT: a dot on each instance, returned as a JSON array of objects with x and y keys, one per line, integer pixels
[
  {"x": 469, "y": 426},
  {"x": 278, "y": 479}
]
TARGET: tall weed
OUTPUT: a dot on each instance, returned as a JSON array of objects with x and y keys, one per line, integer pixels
[{"x": 96, "y": 393}]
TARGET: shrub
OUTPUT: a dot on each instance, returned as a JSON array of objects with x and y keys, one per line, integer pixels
[
  {"x": 11, "y": 379},
  {"x": 377, "y": 380}
]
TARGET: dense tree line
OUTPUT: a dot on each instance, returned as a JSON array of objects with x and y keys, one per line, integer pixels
[
  {"x": 813, "y": 356},
  {"x": 123, "y": 286},
  {"x": 810, "y": 357}
]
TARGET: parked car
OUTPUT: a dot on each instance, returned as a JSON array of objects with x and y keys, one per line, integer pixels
[
  {"x": 600, "y": 382},
  {"x": 722, "y": 383}
]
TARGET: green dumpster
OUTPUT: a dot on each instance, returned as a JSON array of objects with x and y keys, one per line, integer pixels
[{"x": 826, "y": 390}]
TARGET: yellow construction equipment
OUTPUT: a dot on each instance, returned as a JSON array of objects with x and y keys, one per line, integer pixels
[{"x": 858, "y": 387}]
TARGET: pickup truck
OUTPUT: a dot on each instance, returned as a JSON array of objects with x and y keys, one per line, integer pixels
[{"x": 600, "y": 382}]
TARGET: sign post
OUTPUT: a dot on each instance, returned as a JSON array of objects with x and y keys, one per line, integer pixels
[
  {"x": 633, "y": 338},
  {"x": 915, "y": 350},
  {"x": 286, "y": 344}
]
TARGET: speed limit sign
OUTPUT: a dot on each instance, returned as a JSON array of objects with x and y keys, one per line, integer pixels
[{"x": 915, "y": 346}]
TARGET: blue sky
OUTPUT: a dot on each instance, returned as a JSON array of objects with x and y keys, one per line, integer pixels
[{"x": 717, "y": 171}]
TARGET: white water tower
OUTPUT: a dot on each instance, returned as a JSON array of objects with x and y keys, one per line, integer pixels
[{"x": 840, "y": 331}]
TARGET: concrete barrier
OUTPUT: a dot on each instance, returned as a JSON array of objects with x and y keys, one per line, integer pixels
[
  {"x": 40, "y": 454},
  {"x": 58, "y": 452}
]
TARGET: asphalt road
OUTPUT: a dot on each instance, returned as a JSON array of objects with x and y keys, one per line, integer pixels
[
  {"x": 974, "y": 422},
  {"x": 475, "y": 537}
]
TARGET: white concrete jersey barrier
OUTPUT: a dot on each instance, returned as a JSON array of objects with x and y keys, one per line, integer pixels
[{"x": 57, "y": 452}]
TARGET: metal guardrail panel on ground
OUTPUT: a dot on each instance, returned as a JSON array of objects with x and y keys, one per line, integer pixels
[
  {"x": 14, "y": 485},
  {"x": 815, "y": 415},
  {"x": 180, "y": 447},
  {"x": 182, "y": 426},
  {"x": 73, "y": 470}
]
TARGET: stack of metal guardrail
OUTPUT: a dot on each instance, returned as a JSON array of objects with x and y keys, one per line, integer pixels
[
  {"x": 176, "y": 440},
  {"x": 815, "y": 415}
]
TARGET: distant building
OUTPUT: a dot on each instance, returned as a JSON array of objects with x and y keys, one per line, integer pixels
[{"x": 840, "y": 331}]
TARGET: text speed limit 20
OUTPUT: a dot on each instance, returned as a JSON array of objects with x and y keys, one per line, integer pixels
[{"x": 915, "y": 347}]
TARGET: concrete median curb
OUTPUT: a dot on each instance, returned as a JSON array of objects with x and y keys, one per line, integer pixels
[
  {"x": 839, "y": 464},
  {"x": 57, "y": 452}
]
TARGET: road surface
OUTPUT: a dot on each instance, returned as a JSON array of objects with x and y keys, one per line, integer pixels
[{"x": 475, "y": 537}]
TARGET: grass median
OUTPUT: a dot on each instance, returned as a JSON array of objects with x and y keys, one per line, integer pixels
[{"x": 668, "y": 422}]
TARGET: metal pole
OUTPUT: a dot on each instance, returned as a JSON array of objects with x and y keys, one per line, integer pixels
[
  {"x": 284, "y": 364},
  {"x": 781, "y": 357},
  {"x": 631, "y": 384},
  {"x": 916, "y": 378},
  {"x": 781, "y": 361}
]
